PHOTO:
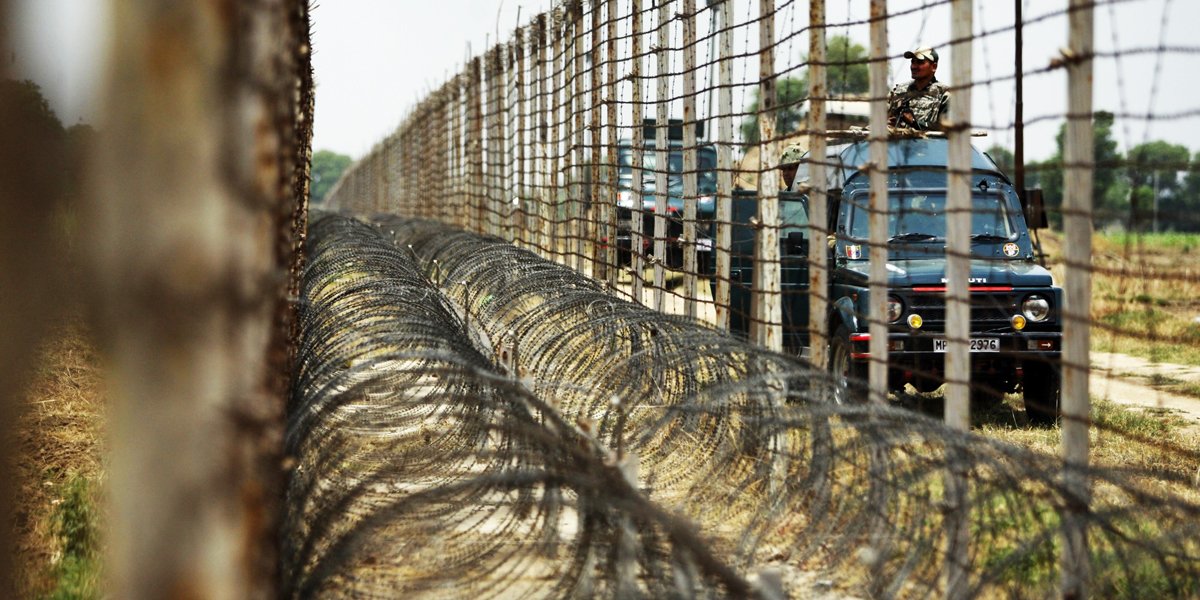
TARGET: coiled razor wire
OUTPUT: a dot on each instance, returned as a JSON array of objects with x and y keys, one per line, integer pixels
[{"x": 471, "y": 419}]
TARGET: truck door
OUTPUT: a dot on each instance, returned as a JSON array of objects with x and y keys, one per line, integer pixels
[{"x": 793, "y": 252}]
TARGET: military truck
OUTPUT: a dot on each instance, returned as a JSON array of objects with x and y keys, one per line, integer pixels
[
  {"x": 706, "y": 186},
  {"x": 1016, "y": 321}
]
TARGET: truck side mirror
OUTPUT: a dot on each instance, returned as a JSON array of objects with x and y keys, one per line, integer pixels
[
  {"x": 796, "y": 243},
  {"x": 1035, "y": 209}
]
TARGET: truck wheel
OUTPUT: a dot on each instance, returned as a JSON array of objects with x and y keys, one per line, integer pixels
[
  {"x": 849, "y": 387},
  {"x": 1042, "y": 390}
]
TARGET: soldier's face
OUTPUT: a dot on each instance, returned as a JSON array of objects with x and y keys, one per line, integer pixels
[{"x": 922, "y": 69}]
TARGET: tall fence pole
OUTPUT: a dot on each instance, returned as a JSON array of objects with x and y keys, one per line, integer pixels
[
  {"x": 609, "y": 192},
  {"x": 768, "y": 318},
  {"x": 579, "y": 156},
  {"x": 724, "y": 213},
  {"x": 201, "y": 113},
  {"x": 474, "y": 156},
  {"x": 520, "y": 141},
  {"x": 662, "y": 147},
  {"x": 958, "y": 305},
  {"x": 818, "y": 208},
  {"x": 877, "y": 242},
  {"x": 690, "y": 188},
  {"x": 637, "y": 152},
  {"x": 597, "y": 205},
  {"x": 1079, "y": 161},
  {"x": 557, "y": 134},
  {"x": 543, "y": 112}
]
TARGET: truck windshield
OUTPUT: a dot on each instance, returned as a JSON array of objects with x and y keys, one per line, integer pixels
[
  {"x": 921, "y": 218},
  {"x": 706, "y": 170}
]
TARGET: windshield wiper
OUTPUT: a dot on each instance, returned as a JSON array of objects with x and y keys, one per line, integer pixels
[
  {"x": 912, "y": 237},
  {"x": 988, "y": 237}
]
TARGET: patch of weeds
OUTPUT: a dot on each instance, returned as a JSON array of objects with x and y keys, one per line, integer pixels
[{"x": 75, "y": 523}]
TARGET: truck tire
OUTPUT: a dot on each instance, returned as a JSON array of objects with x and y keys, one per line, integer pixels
[
  {"x": 1042, "y": 389},
  {"x": 849, "y": 386}
]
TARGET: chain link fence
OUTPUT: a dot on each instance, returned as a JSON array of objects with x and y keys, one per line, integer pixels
[{"x": 652, "y": 148}]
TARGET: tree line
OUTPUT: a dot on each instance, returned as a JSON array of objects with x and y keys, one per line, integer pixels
[{"x": 1154, "y": 186}]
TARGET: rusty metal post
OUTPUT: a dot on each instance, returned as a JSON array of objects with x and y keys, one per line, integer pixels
[
  {"x": 611, "y": 131},
  {"x": 662, "y": 148},
  {"x": 201, "y": 115},
  {"x": 637, "y": 152},
  {"x": 767, "y": 327},
  {"x": 818, "y": 208},
  {"x": 579, "y": 157},
  {"x": 557, "y": 135},
  {"x": 690, "y": 187},
  {"x": 520, "y": 141},
  {"x": 724, "y": 214},
  {"x": 877, "y": 278},
  {"x": 474, "y": 156},
  {"x": 597, "y": 208},
  {"x": 1079, "y": 162},
  {"x": 958, "y": 304}
]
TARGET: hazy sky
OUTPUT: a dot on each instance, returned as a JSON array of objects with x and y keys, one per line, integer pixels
[{"x": 375, "y": 58}]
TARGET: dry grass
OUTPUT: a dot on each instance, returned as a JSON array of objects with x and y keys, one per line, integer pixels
[
  {"x": 1145, "y": 293},
  {"x": 61, "y": 435}
]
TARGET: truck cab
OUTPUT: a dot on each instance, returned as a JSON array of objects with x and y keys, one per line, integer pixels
[
  {"x": 627, "y": 203},
  {"x": 1016, "y": 325}
]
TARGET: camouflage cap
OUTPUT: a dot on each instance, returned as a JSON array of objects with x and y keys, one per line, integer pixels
[
  {"x": 791, "y": 155},
  {"x": 922, "y": 54}
]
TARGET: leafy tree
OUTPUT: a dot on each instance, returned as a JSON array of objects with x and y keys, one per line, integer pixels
[
  {"x": 1004, "y": 159},
  {"x": 1189, "y": 218},
  {"x": 327, "y": 167},
  {"x": 846, "y": 73},
  {"x": 1153, "y": 169},
  {"x": 25, "y": 98},
  {"x": 1109, "y": 195}
]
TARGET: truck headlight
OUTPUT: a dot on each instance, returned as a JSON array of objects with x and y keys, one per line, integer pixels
[
  {"x": 895, "y": 308},
  {"x": 1036, "y": 308}
]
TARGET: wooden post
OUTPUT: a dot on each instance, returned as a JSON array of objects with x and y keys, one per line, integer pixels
[
  {"x": 767, "y": 327},
  {"x": 877, "y": 243},
  {"x": 662, "y": 149},
  {"x": 818, "y": 208},
  {"x": 724, "y": 216},
  {"x": 1077, "y": 226},
  {"x": 690, "y": 187},
  {"x": 958, "y": 303}
]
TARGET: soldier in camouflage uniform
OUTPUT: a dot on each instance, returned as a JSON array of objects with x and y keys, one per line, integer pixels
[{"x": 921, "y": 103}]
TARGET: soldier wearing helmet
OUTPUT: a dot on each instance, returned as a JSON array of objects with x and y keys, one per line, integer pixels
[
  {"x": 921, "y": 103},
  {"x": 789, "y": 163}
]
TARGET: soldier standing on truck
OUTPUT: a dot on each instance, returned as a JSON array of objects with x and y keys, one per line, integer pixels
[{"x": 920, "y": 103}]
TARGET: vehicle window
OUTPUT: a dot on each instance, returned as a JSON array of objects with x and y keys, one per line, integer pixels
[
  {"x": 794, "y": 216},
  {"x": 706, "y": 175},
  {"x": 922, "y": 217}
]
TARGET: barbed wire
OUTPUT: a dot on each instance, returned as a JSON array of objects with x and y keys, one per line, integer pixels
[{"x": 472, "y": 419}]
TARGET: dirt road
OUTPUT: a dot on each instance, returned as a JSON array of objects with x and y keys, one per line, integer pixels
[{"x": 1136, "y": 381}]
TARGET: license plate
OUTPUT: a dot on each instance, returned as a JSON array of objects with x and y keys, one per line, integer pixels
[{"x": 977, "y": 345}]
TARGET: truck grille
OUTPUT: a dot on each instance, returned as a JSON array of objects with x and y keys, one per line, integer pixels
[{"x": 986, "y": 307}]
